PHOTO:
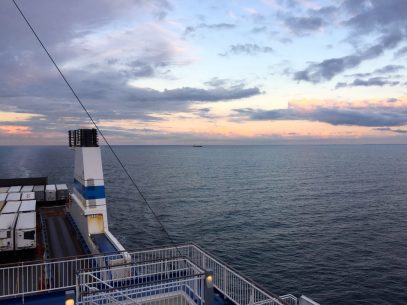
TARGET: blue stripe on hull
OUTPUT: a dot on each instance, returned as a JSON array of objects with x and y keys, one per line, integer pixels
[{"x": 90, "y": 192}]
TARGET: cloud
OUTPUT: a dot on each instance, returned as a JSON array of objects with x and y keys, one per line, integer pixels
[
  {"x": 369, "y": 115},
  {"x": 247, "y": 49},
  {"x": 401, "y": 52},
  {"x": 204, "y": 113},
  {"x": 365, "y": 20},
  {"x": 12, "y": 117},
  {"x": 303, "y": 25},
  {"x": 375, "y": 81},
  {"x": 217, "y": 82},
  {"x": 15, "y": 130},
  {"x": 376, "y": 15},
  {"x": 216, "y": 26},
  {"x": 259, "y": 29},
  {"x": 188, "y": 94},
  {"x": 389, "y": 69},
  {"x": 383, "y": 70},
  {"x": 255, "y": 14},
  {"x": 400, "y": 131},
  {"x": 329, "y": 68}
]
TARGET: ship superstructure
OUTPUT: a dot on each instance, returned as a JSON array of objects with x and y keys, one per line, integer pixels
[{"x": 57, "y": 249}]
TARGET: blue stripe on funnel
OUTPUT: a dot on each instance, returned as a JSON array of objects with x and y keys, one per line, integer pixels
[{"x": 90, "y": 192}]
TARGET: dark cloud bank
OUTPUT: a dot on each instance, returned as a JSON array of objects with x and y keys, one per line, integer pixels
[
  {"x": 385, "y": 20},
  {"x": 378, "y": 116}
]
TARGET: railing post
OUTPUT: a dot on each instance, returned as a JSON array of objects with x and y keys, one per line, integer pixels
[
  {"x": 251, "y": 297},
  {"x": 208, "y": 287},
  {"x": 77, "y": 288},
  {"x": 22, "y": 280},
  {"x": 225, "y": 284}
]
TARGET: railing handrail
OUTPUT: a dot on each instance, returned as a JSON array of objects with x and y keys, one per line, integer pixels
[
  {"x": 239, "y": 274},
  {"x": 162, "y": 254},
  {"x": 67, "y": 258}
]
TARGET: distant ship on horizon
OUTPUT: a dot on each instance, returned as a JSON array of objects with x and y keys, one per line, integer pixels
[{"x": 197, "y": 145}]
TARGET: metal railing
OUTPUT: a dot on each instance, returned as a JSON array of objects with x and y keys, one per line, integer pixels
[
  {"x": 289, "y": 299},
  {"x": 20, "y": 280},
  {"x": 230, "y": 282},
  {"x": 144, "y": 282}
]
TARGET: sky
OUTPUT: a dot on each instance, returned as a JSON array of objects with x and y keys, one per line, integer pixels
[{"x": 206, "y": 72}]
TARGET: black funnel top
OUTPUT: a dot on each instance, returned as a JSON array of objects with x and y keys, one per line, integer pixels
[{"x": 83, "y": 138}]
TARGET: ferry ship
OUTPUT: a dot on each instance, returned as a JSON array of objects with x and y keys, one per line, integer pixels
[{"x": 56, "y": 248}]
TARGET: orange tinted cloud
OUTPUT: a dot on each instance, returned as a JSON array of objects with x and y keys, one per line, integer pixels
[
  {"x": 15, "y": 130},
  {"x": 17, "y": 116}
]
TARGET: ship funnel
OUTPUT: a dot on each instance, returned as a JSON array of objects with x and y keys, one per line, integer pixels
[
  {"x": 89, "y": 186},
  {"x": 83, "y": 138}
]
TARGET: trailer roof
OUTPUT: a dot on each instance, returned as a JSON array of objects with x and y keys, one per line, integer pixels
[
  {"x": 27, "y": 188},
  {"x": 27, "y": 196},
  {"x": 3, "y": 196},
  {"x": 61, "y": 187},
  {"x": 13, "y": 196},
  {"x": 14, "y": 189},
  {"x": 7, "y": 221},
  {"x": 50, "y": 187},
  {"x": 4, "y": 189},
  {"x": 11, "y": 207},
  {"x": 28, "y": 206},
  {"x": 26, "y": 221}
]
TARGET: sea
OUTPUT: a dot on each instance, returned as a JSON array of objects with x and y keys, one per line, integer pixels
[{"x": 326, "y": 221}]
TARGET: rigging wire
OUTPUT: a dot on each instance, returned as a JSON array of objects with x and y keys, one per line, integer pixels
[{"x": 100, "y": 132}]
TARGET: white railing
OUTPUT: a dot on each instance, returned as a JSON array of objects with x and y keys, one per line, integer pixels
[
  {"x": 20, "y": 280},
  {"x": 31, "y": 278},
  {"x": 230, "y": 282},
  {"x": 143, "y": 282},
  {"x": 289, "y": 299}
]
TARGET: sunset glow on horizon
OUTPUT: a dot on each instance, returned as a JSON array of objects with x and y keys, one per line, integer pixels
[{"x": 210, "y": 72}]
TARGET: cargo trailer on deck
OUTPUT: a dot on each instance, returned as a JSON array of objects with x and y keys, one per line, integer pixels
[
  {"x": 28, "y": 206},
  {"x": 27, "y": 188},
  {"x": 14, "y": 189},
  {"x": 11, "y": 207},
  {"x": 50, "y": 192},
  {"x": 3, "y": 197},
  {"x": 25, "y": 231},
  {"x": 62, "y": 192},
  {"x": 13, "y": 196},
  {"x": 7, "y": 224},
  {"x": 28, "y": 196},
  {"x": 39, "y": 191}
]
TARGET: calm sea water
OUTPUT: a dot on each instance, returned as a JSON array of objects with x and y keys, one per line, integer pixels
[{"x": 329, "y": 221}]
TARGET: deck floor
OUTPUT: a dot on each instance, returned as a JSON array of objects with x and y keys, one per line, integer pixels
[{"x": 62, "y": 239}]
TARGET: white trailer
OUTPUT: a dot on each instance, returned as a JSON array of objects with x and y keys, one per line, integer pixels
[
  {"x": 14, "y": 189},
  {"x": 50, "y": 192},
  {"x": 62, "y": 191},
  {"x": 28, "y": 196},
  {"x": 3, "y": 197},
  {"x": 13, "y": 196},
  {"x": 7, "y": 224},
  {"x": 27, "y": 188},
  {"x": 4, "y": 189},
  {"x": 28, "y": 206},
  {"x": 39, "y": 191},
  {"x": 11, "y": 207},
  {"x": 25, "y": 231}
]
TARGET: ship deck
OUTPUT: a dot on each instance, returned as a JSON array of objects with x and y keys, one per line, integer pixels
[
  {"x": 61, "y": 238},
  {"x": 56, "y": 238}
]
